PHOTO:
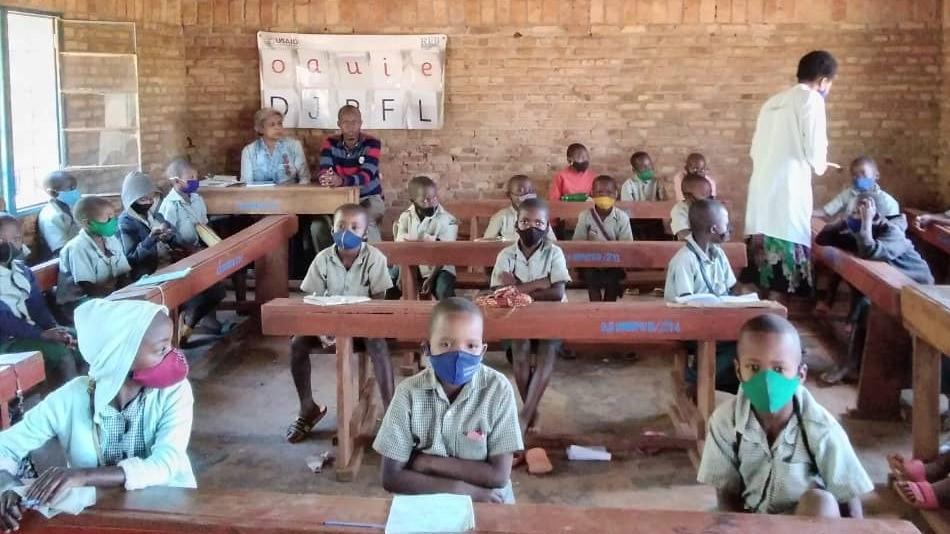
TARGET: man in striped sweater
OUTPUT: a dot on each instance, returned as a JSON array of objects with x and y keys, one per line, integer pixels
[{"x": 351, "y": 158}]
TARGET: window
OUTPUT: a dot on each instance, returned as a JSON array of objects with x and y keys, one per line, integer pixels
[{"x": 70, "y": 100}]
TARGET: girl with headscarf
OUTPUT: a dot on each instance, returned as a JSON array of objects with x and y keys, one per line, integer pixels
[{"x": 126, "y": 424}]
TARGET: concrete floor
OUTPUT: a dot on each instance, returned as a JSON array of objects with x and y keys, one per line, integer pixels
[{"x": 245, "y": 400}]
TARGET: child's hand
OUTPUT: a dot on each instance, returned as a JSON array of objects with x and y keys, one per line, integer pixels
[
  {"x": 489, "y": 495},
  {"x": 429, "y": 238},
  {"x": 156, "y": 232},
  {"x": 52, "y": 484},
  {"x": 11, "y": 513},
  {"x": 509, "y": 279},
  {"x": 57, "y": 335}
]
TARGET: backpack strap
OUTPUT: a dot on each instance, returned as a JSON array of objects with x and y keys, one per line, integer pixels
[{"x": 600, "y": 224}]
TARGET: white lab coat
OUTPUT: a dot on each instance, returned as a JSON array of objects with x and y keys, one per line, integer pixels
[{"x": 790, "y": 141}]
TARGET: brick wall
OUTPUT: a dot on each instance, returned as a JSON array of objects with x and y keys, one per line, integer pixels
[{"x": 525, "y": 78}]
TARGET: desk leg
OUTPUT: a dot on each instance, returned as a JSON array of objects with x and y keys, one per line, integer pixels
[
  {"x": 271, "y": 276},
  {"x": 926, "y": 400},
  {"x": 346, "y": 400},
  {"x": 4, "y": 415},
  {"x": 407, "y": 283},
  {"x": 706, "y": 381},
  {"x": 885, "y": 368}
]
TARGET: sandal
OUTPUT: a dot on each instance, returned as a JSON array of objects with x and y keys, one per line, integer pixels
[
  {"x": 922, "y": 495},
  {"x": 301, "y": 427},
  {"x": 538, "y": 462},
  {"x": 912, "y": 470}
]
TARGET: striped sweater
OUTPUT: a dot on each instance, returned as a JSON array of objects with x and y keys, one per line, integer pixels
[{"x": 358, "y": 166}]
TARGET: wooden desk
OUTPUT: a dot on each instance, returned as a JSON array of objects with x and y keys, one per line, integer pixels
[
  {"x": 933, "y": 243},
  {"x": 642, "y": 255},
  {"x": 47, "y": 274},
  {"x": 609, "y": 322},
  {"x": 471, "y": 212},
  {"x": 177, "y": 511},
  {"x": 279, "y": 199},
  {"x": 886, "y": 364},
  {"x": 926, "y": 312},
  {"x": 23, "y": 376},
  {"x": 264, "y": 243}
]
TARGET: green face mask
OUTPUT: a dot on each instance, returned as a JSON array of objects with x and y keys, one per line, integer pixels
[
  {"x": 769, "y": 391},
  {"x": 104, "y": 229},
  {"x": 646, "y": 176}
]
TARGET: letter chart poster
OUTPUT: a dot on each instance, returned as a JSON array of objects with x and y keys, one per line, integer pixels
[{"x": 397, "y": 81}]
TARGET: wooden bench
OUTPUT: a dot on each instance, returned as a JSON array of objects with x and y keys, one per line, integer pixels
[
  {"x": 19, "y": 378},
  {"x": 933, "y": 242},
  {"x": 614, "y": 322},
  {"x": 470, "y": 213},
  {"x": 178, "y": 511},
  {"x": 264, "y": 243},
  {"x": 642, "y": 255},
  {"x": 886, "y": 363},
  {"x": 279, "y": 199},
  {"x": 47, "y": 274}
]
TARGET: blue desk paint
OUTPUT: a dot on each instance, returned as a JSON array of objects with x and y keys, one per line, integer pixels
[
  {"x": 593, "y": 257},
  {"x": 259, "y": 205},
  {"x": 233, "y": 263},
  {"x": 651, "y": 327}
]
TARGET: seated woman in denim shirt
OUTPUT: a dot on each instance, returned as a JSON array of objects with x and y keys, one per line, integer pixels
[{"x": 273, "y": 158}]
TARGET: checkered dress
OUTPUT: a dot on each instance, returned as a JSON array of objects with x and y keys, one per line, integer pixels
[{"x": 122, "y": 433}]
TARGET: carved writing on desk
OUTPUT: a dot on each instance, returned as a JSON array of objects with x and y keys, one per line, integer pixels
[
  {"x": 593, "y": 257},
  {"x": 655, "y": 327}
]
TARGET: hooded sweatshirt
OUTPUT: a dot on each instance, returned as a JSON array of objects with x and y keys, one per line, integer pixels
[
  {"x": 110, "y": 333},
  {"x": 888, "y": 243},
  {"x": 141, "y": 249}
]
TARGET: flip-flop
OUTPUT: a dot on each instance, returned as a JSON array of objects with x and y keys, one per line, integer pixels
[
  {"x": 913, "y": 471},
  {"x": 538, "y": 462},
  {"x": 924, "y": 496},
  {"x": 301, "y": 427}
]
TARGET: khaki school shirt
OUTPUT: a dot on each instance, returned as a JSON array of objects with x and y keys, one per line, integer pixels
[
  {"x": 772, "y": 479},
  {"x": 368, "y": 276},
  {"x": 81, "y": 260},
  {"x": 617, "y": 224},
  {"x": 504, "y": 224},
  {"x": 684, "y": 274},
  {"x": 547, "y": 261},
  {"x": 679, "y": 217},
  {"x": 184, "y": 216},
  {"x": 844, "y": 202},
  {"x": 441, "y": 225},
  {"x": 480, "y": 423},
  {"x": 14, "y": 291},
  {"x": 637, "y": 190}
]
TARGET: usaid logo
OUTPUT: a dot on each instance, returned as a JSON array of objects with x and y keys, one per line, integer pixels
[{"x": 284, "y": 40}]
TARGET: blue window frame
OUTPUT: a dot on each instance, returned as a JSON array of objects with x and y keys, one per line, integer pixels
[{"x": 32, "y": 143}]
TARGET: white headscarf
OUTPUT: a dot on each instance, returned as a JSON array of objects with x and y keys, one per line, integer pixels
[{"x": 110, "y": 333}]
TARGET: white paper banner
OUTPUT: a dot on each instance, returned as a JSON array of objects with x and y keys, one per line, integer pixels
[{"x": 397, "y": 81}]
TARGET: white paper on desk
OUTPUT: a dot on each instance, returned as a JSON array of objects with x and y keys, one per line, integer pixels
[
  {"x": 708, "y": 299},
  {"x": 265, "y": 184},
  {"x": 155, "y": 279},
  {"x": 220, "y": 180},
  {"x": 14, "y": 357},
  {"x": 595, "y": 453},
  {"x": 334, "y": 300},
  {"x": 430, "y": 514},
  {"x": 72, "y": 502}
]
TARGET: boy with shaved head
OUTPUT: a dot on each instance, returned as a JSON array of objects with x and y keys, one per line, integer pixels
[{"x": 773, "y": 449}]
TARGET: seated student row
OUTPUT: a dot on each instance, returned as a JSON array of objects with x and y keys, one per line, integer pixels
[{"x": 484, "y": 470}]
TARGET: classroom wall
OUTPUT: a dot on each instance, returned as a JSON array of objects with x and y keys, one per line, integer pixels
[{"x": 525, "y": 78}]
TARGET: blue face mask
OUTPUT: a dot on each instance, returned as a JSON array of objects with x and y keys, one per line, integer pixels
[
  {"x": 863, "y": 183},
  {"x": 191, "y": 186},
  {"x": 456, "y": 367},
  {"x": 823, "y": 93},
  {"x": 854, "y": 224},
  {"x": 70, "y": 198},
  {"x": 346, "y": 240}
]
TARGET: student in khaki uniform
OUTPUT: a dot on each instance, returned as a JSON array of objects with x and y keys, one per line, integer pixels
[
  {"x": 427, "y": 220},
  {"x": 503, "y": 224},
  {"x": 773, "y": 449},
  {"x": 864, "y": 179},
  {"x": 92, "y": 264},
  {"x": 452, "y": 428},
  {"x": 536, "y": 267},
  {"x": 695, "y": 164},
  {"x": 350, "y": 268},
  {"x": 603, "y": 222},
  {"x": 701, "y": 267},
  {"x": 644, "y": 185},
  {"x": 183, "y": 207},
  {"x": 695, "y": 187}
]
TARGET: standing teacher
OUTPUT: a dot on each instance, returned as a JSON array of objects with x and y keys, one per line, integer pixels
[{"x": 790, "y": 143}]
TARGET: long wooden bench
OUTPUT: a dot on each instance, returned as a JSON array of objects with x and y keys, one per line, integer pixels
[
  {"x": 642, "y": 255},
  {"x": 933, "y": 242},
  {"x": 178, "y": 511},
  {"x": 264, "y": 243},
  {"x": 616, "y": 322},
  {"x": 472, "y": 213},
  {"x": 886, "y": 363},
  {"x": 279, "y": 199}
]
